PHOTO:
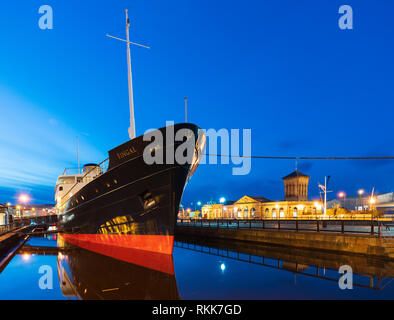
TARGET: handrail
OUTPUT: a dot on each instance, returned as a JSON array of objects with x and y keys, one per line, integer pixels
[
  {"x": 90, "y": 170},
  {"x": 317, "y": 225},
  {"x": 4, "y": 229},
  {"x": 329, "y": 218}
]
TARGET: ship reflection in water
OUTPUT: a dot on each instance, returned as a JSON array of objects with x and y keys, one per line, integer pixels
[
  {"x": 88, "y": 275},
  {"x": 198, "y": 269}
]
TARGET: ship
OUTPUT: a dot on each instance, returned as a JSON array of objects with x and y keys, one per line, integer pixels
[{"x": 126, "y": 207}]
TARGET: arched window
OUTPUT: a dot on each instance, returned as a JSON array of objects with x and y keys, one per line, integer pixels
[
  {"x": 252, "y": 212},
  {"x": 295, "y": 212},
  {"x": 267, "y": 213},
  {"x": 281, "y": 213},
  {"x": 274, "y": 213},
  {"x": 246, "y": 215},
  {"x": 314, "y": 210},
  {"x": 239, "y": 213}
]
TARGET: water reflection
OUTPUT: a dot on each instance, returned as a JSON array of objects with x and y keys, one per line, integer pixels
[
  {"x": 370, "y": 273},
  {"x": 89, "y": 275},
  {"x": 204, "y": 269}
]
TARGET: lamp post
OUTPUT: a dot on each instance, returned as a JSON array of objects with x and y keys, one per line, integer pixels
[
  {"x": 360, "y": 193},
  {"x": 342, "y": 196},
  {"x": 24, "y": 199}
]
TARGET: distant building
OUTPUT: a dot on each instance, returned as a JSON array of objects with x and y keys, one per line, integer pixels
[
  {"x": 295, "y": 205},
  {"x": 3, "y": 214},
  {"x": 384, "y": 202},
  {"x": 296, "y": 186},
  {"x": 217, "y": 210},
  {"x": 32, "y": 210}
]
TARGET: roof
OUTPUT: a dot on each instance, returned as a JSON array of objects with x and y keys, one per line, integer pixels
[
  {"x": 260, "y": 199},
  {"x": 295, "y": 174}
]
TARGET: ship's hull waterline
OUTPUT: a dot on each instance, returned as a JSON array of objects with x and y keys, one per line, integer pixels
[{"x": 133, "y": 206}]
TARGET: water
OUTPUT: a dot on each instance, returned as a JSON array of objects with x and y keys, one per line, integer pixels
[{"x": 203, "y": 270}]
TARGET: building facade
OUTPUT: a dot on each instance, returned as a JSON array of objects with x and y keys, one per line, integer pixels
[
  {"x": 295, "y": 204},
  {"x": 251, "y": 207},
  {"x": 296, "y": 186}
]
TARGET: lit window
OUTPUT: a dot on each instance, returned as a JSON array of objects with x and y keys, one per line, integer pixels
[{"x": 273, "y": 213}]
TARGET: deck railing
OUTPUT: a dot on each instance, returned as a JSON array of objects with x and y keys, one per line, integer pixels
[
  {"x": 8, "y": 228},
  {"x": 103, "y": 165},
  {"x": 371, "y": 227}
]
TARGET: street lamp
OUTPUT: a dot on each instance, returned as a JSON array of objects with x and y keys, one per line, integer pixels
[
  {"x": 23, "y": 198},
  {"x": 372, "y": 201},
  {"x": 360, "y": 193},
  {"x": 222, "y": 200},
  {"x": 342, "y": 196}
]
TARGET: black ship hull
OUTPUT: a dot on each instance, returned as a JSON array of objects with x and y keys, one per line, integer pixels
[{"x": 130, "y": 211}]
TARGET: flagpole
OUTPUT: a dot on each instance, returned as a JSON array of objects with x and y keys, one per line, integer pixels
[
  {"x": 78, "y": 155},
  {"x": 325, "y": 195}
]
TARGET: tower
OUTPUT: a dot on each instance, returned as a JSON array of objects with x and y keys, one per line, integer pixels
[{"x": 296, "y": 186}]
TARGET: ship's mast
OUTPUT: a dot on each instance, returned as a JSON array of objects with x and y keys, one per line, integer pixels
[
  {"x": 131, "y": 101},
  {"x": 78, "y": 155}
]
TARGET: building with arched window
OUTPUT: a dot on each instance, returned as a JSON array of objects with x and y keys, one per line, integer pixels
[{"x": 294, "y": 205}]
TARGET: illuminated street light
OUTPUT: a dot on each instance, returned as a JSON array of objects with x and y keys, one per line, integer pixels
[
  {"x": 199, "y": 203},
  {"x": 222, "y": 200},
  {"x": 361, "y": 192},
  {"x": 372, "y": 201},
  {"x": 341, "y": 194},
  {"x": 24, "y": 198}
]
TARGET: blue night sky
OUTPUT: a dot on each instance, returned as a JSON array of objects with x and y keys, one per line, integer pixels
[{"x": 282, "y": 68}]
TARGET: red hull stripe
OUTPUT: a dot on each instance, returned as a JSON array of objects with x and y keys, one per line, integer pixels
[{"x": 149, "y": 251}]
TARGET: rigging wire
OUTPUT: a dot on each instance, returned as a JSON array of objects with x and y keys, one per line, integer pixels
[{"x": 302, "y": 157}]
